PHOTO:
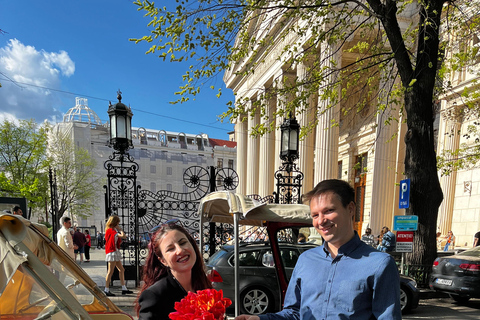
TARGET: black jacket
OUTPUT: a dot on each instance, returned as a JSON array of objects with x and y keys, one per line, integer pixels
[{"x": 158, "y": 301}]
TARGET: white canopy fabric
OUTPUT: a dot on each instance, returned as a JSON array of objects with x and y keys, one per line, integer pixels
[{"x": 221, "y": 206}]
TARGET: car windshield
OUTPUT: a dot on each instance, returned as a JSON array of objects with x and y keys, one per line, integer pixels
[{"x": 475, "y": 252}]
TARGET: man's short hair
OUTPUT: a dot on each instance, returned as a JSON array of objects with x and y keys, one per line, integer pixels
[
  {"x": 64, "y": 219},
  {"x": 344, "y": 191},
  {"x": 16, "y": 208}
]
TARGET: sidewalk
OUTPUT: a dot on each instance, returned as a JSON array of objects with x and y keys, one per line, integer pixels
[{"x": 97, "y": 270}]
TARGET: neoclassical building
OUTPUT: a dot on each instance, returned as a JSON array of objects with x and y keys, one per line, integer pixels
[
  {"x": 162, "y": 156},
  {"x": 359, "y": 150}
]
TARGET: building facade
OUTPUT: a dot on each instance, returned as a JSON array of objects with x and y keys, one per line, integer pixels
[
  {"x": 162, "y": 156},
  {"x": 361, "y": 149}
]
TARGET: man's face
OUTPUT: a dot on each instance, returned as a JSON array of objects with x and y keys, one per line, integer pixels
[
  {"x": 332, "y": 220},
  {"x": 68, "y": 224},
  {"x": 19, "y": 212}
]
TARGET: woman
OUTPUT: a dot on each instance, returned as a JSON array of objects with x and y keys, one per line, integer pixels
[
  {"x": 173, "y": 267},
  {"x": 450, "y": 241},
  {"x": 113, "y": 238},
  {"x": 88, "y": 244}
]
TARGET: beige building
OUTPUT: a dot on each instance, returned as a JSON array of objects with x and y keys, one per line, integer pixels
[
  {"x": 360, "y": 150},
  {"x": 162, "y": 156}
]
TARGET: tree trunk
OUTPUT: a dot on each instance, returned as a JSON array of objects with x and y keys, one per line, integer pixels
[{"x": 421, "y": 168}]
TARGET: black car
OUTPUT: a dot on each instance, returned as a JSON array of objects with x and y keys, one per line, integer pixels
[
  {"x": 258, "y": 284},
  {"x": 458, "y": 275}
]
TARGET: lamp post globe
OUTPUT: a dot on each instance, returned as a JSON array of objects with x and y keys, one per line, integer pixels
[{"x": 120, "y": 117}]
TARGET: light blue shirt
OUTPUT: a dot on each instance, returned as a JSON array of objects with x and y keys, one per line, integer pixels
[{"x": 360, "y": 283}]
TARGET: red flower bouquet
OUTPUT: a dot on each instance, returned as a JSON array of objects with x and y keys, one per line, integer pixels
[{"x": 206, "y": 304}]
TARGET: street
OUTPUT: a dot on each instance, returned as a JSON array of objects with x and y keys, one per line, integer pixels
[{"x": 445, "y": 308}]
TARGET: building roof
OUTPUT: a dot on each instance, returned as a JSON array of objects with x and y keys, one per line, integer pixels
[{"x": 221, "y": 143}]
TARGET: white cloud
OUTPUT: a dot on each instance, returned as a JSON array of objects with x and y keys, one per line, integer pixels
[{"x": 24, "y": 74}]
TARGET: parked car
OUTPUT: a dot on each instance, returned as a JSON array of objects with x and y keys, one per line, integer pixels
[
  {"x": 458, "y": 275},
  {"x": 258, "y": 284},
  {"x": 40, "y": 281}
]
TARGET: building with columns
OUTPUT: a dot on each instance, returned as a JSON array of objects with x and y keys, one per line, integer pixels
[
  {"x": 162, "y": 156},
  {"x": 361, "y": 149}
]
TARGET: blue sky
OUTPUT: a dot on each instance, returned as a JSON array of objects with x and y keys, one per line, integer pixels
[{"x": 82, "y": 49}]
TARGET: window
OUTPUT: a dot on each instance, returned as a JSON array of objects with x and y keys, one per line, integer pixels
[
  {"x": 153, "y": 187},
  {"x": 169, "y": 171},
  {"x": 220, "y": 163},
  {"x": 230, "y": 163},
  {"x": 153, "y": 169},
  {"x": 169, "y": 187},
  {"x": 339, "y": 173}
]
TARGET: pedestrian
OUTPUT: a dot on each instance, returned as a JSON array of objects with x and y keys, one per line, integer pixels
[
  {"x": 113, "y": 238},
  {"x": 99, "y": 240},
  {"x": 368, "y": 237},
  {"x": 88, "y": 244},
  {"x": 450, "y": 241},
  {"x": 80, "y": 240},
  {"x": 388, "y": 242},
  {"x": 476, "y": 241},
  {"x": 17, "y": 211},
  {"x": 344, "y": 278},
  {"x": 174, "y": 267},
  {"x": 301, "y": 238},
  {"x": 64, "y": 237}
]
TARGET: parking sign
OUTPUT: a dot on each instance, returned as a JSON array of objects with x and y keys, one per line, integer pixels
[{"x": 404, "y": 198}]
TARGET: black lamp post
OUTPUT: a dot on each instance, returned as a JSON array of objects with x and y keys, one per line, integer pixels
[
  {"x": 290, "y": 130},
  {"x": 121, "y": 196},
  {"x": 120, "y": 125},
  {"x": 289, "y": 178}
]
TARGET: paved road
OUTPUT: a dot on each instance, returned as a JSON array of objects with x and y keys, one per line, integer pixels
[{"x": 445, "y": 308}]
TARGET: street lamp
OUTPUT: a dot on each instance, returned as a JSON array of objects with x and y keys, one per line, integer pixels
[
  {"x": 289, "y": 178},
  {"x": 289, "y": 140},
  {"x": 121, "y": 196},
  {"x": 120, "y": 125}
]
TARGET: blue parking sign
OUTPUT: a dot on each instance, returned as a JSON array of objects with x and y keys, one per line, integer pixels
[{"x": 404, "y": 198}]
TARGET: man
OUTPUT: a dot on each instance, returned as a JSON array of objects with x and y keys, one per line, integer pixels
[
  {"x": 344, "y": 278},
  {"x": 64, "y": 238},
  {"x": 368, "y": 237},
  {"x": 388, "y": 241},
  {"x": 79, "y": 239},
  {"x": 17, "y": 211},
  {"x": 476, "y": 242},
  {"x": 99, "y": 240}
]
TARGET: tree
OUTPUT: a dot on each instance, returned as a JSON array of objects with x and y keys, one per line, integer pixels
[
  {"x": 77, "y": 184},
  {"x": 404, "y": 53},
  {"x": 23, "y": 161}
]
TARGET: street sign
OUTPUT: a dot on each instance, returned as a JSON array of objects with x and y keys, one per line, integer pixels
[
  {"x": 404, "y": 241},
  {"x": 404, "y": 199},
  {"x": 405, "y": 223}
]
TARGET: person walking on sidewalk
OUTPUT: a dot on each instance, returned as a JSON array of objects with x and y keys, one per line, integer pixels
[
  {"x": 88, "y": 244},
  {"x": 113, "y": 238},
  {"x": 79, "y": 240},
  {"x": 64, "y": 237}
]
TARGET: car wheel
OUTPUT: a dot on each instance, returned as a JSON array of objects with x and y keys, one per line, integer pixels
[
  {"x": 460, "y": 299},
  {"x": 405, "y": 300},
  {"x": 255, "y": 300}
]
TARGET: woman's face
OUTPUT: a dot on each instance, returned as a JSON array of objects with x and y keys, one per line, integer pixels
[{"x": 177, "y": 252}]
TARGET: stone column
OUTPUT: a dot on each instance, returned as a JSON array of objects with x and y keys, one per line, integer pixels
[
  {"x": 449, "y": 139},
  {"x": 326, "y": 144},
  {"x": 384, "y": 165},
  {"x": 307, "y": 144},
  {"x": 241, "y": 137},
  {"x": 267, "y": 154},
  {"x": 252, "y": 156}
]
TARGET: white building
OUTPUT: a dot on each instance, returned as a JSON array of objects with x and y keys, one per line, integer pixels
[
  {"x": 359, "y": 150},
  {"x": 162, "y": 156}
]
